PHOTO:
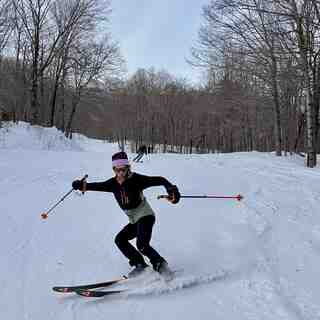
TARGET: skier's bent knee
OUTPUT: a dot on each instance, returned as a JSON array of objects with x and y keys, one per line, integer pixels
[
  {"x": 118, "y": 240},
  {"x": 142, "y": 248}
]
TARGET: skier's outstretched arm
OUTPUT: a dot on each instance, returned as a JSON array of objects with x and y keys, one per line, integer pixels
[
  {"x": 154, "y": 181},
  {"x": 105, "y": 186}
]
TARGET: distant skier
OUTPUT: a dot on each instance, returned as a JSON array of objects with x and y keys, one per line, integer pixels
[
  {"x": 127, "y": 187},
  {"x": 141, "y": 152}
]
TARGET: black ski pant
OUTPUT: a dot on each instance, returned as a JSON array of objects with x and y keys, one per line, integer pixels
[{"x": 142, "y": 230}]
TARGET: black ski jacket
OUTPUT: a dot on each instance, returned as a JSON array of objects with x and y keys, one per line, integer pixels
[{"x": 129, "y": 194}]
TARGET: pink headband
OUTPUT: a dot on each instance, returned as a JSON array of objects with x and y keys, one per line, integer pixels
[{"x": 120, "y": 162}]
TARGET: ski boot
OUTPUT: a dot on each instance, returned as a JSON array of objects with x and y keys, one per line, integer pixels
[
  {"x": 137, "y": 270},
  {"x": 163, "y": 268}
]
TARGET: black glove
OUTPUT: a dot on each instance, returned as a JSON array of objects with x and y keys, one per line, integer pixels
[
  {"x": 77, "y": 185},
  {"x": 174, "y": 194}
]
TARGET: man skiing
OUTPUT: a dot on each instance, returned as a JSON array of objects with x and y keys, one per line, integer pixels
[{"x": 127, "y": 187}]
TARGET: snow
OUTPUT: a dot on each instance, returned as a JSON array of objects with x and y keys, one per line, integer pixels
[{"x": 255, "y": 259}]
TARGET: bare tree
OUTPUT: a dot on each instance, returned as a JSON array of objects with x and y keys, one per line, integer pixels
[
  {"x": 249, "y": 32},
  {"x": 305, "y": 17},
  {"x": 6, "y": 24},
  {"x": 91, "y": 13},
  {"x": 45, "y": 36},
  {"x": 90, "y": 62}
]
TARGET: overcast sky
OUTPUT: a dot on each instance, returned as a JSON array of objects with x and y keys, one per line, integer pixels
[{"x": 157, "y": 33}]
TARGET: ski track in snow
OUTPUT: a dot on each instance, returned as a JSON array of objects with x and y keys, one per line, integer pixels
[
  {"x": 286, "y": 294},
  {"x": 160, "y": 286},
  {"x": 258, "y": 259}
]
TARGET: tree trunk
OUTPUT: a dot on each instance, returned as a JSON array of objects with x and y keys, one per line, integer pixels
[
  {"x": 54, "y": 95},
  {"x": 35, "y": 82},
  {"x": 75, "y": 102},
  {"x": 311, "y": 124},
  {"x": 275, "y": 94},
  {"x": 34, "y": 97}
]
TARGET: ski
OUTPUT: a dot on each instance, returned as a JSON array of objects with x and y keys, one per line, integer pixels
[
  {"x": 167, "y": 275},
  {"x": 97, "y": 293},
  {"x": 68, "y": 289},
  {"x": 84, "y": 289}
]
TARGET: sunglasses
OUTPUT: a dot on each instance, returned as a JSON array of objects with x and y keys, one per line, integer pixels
[{"x": 121, "y": 169}]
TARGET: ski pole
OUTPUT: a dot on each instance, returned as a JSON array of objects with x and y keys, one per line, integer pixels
[
  {"x": 238, "y": 197},
  {"x": 45, "y": 215}
]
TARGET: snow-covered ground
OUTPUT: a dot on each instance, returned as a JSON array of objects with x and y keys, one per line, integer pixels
[{"x": 257, "y": 259}]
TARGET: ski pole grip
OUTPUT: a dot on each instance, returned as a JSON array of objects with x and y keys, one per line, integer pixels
[
  {"x": 85, "y": 177},
  {"x": 163, "y": 197},
  {"x": 84, "y": 183}
]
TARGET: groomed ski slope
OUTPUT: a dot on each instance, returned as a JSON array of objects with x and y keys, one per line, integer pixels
[{"x": 258, "y": 259}]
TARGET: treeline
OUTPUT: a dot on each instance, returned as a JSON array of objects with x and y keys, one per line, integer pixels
[
  {"x": 260, "y": 92},
  {"x": 165, "y": 113},
  {"x": 273, "y": 45}
]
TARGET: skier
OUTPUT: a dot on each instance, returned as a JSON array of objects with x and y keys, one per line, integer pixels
[
  {"x": 127, "y": 187},
  {"x": 140, "y": 153}
]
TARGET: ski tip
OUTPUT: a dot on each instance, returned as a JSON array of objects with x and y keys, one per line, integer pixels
[{"x": 61, "y": 289}]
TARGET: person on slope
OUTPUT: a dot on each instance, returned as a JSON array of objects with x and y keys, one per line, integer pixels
[
  {"x": 140, "y": 153},
  {"x": 127, "y": 187}
]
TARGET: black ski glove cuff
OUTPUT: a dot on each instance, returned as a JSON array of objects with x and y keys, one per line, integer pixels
[{"x": 174, "y": 194}]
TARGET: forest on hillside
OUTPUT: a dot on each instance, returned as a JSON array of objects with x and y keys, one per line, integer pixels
[{"x": 260, "y": 89}]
